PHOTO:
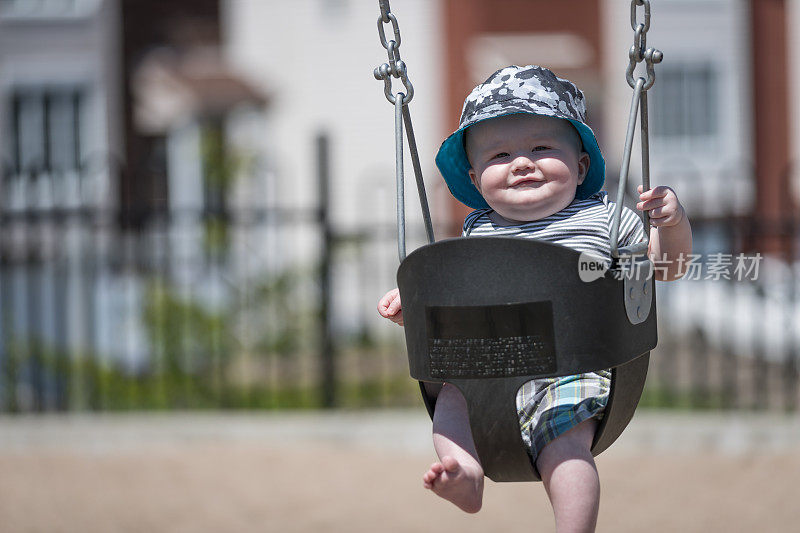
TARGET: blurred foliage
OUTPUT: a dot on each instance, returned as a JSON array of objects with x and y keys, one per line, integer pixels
[
  {"x": 39, "y": 379},
  {"x": 257, "y": 349},
  {"x": 222, "y": 163},
  {"x": 177, "y": 327},
  {"x": 276, "y": 303}
]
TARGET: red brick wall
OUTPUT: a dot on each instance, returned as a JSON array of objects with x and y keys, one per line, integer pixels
[{"x": 771, "y": 121}]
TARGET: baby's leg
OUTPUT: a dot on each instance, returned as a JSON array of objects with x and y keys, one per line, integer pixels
[
  {"x": 570, "y": 478},
  {"x": 458, "y": 477}
]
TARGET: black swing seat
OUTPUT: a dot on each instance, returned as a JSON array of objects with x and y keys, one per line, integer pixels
[{"x": 488, "y": 314}]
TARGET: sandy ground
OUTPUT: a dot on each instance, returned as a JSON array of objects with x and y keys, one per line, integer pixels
[{"x": 360, "y": 472}]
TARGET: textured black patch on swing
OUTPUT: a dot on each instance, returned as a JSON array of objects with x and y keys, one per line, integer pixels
[{"x": 491, "y": 341}]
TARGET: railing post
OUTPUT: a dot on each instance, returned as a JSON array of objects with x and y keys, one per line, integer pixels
[{"x": 327, "y": 364}]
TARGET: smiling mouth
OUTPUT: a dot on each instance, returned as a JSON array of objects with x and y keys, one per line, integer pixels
[{"x": 527, "y": 182}]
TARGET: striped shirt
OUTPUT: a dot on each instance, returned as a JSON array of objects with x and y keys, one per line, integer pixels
[{"x": 584, "y": 225}]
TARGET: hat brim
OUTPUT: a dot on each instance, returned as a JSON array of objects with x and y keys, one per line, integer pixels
[{"x": 454, "y": 166}]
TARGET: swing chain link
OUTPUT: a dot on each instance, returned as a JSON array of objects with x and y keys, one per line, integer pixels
[
  {"x": 639, "y": 51},
  {"x": 395, "y": 67}
]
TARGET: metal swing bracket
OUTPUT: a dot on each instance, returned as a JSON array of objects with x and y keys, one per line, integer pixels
[
  {"x": 638, "y": 289},
  {"x": 632, "y": 261}
]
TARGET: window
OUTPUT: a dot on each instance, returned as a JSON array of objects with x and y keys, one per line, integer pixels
[
  {"x": 684, "y": 102},
  {"x": 46, "y": 129},
  {"x": 333, "y": 8},
  {"x": 47, "y": 9}
]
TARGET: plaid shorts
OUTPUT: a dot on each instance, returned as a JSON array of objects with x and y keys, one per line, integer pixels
[{"x": 550, "y": 407}]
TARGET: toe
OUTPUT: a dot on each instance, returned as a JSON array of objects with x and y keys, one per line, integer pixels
[{"x": 450, "y": 464}]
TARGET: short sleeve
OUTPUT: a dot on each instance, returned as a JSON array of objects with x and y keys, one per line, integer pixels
[{"x": 631, "y": 227}]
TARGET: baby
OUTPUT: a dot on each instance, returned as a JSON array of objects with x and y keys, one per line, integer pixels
[{"x": 525, "y": 160}]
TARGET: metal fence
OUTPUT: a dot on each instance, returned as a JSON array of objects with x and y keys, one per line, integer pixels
[
  {"x": 207, "y": 307},
  {"x": 267, "y": 308},
  {"x": 728, "y": 331}
]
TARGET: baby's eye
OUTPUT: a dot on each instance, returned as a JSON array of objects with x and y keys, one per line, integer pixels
[
  {"x": 540, "y": 148},
  {"x": 499, "y": 155}
]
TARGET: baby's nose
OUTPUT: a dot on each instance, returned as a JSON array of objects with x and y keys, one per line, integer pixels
[{"x": 522, "y": 162}]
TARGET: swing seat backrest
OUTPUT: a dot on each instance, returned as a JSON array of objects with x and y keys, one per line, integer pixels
[{"x": 491, "y": 313}]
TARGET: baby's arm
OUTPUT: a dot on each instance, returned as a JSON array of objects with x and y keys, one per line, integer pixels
[
  {"x": 389, "y": 307},
  {"x": 670, "y": 235}
]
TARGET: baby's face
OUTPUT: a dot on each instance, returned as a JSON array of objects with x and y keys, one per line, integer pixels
[{"x": 527, "y": 167}]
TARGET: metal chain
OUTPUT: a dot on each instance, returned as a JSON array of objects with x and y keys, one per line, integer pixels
[
  {"x": 395, "y": 67},
  {"x": 639, "y": 51},
  {"x": 650, "y": 56}
]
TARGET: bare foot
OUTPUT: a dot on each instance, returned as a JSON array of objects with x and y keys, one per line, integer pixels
[{"x": 457, "y": 484}]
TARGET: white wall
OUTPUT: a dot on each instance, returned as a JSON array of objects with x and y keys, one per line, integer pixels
[{"x": 314, "y": 59}]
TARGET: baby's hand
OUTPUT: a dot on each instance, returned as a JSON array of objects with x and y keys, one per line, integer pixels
[
  {"x": 389, "y": 307},
  {"x": 662, "y": 203}
]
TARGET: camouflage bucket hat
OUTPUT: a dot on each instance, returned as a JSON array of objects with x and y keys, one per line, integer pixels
[{"x": 510, "y": 90}]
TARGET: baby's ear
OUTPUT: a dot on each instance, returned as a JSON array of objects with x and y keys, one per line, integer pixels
[
  {"x": 473, "y": 177},
  {"x": 583, "y": 166}
]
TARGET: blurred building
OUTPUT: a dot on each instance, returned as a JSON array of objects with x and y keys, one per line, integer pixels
[
  {"x": 700, "y": 104},
  {"x": 115, "y": 118},
  {"x": 719, "y": 110}
]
